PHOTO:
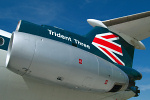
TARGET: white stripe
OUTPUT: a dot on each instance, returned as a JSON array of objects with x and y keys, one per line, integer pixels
[{"x": 5, "y": 34}]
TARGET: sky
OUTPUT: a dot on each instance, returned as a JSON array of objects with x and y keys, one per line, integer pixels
[{"x": 71, "y": 15}]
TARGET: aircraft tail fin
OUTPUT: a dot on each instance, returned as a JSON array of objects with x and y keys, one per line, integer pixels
[
  {"x": 116, "y": 41},
  {"x": 111, "y": 46}
]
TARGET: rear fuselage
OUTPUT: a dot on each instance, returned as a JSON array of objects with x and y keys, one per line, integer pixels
[{"x": 65, "y": 58}]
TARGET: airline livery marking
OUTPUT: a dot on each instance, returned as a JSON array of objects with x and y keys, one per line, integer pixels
[
  {"x": 105, "y": 43},
  {"x": 59, "y": 35}
]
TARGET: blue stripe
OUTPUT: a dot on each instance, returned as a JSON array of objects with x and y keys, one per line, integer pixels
[{"x": 6, "y": 43}]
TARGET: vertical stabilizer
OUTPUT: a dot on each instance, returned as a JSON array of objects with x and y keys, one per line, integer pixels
[{"x": 111, "y": 46}]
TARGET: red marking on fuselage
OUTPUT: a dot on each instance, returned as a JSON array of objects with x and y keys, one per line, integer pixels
[
  {"x": 106, "y": 82},
  {"x": 80, "y": 61}
]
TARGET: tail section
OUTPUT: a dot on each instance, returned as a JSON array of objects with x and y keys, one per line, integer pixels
[
  {"x": 111, "y": 46},
  {"x": 117, "y": 45}
]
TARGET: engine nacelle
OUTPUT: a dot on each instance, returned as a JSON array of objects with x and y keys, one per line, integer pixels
[{"x": 57, "y": 62}]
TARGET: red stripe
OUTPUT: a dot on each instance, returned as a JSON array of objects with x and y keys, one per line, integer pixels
[
  {"x": 109, "y": 36},
  {"x": 107, "y": 44},
  {"x": 113, "y": 57}
]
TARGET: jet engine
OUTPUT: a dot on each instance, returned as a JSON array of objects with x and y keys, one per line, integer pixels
[{"x": 63, "y": 64}]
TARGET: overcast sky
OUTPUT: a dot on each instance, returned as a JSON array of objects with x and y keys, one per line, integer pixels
[{"x": 71, "y": 15}]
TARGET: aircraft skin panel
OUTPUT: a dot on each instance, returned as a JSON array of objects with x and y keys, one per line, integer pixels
[
  {"x": 16, "y": 87},
  {"x": 3, "y": 54},
  {"x": 59, "y": 60}
]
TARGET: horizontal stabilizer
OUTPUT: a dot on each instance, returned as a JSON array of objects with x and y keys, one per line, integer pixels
[{"x": 136, "y": 26}]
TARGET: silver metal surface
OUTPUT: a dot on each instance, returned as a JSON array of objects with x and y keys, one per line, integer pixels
[{"x": 58, "y": 62}]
